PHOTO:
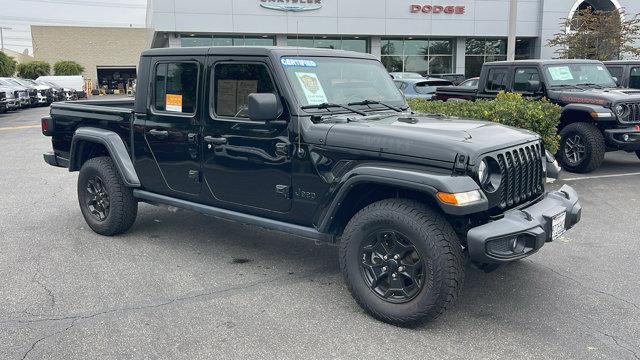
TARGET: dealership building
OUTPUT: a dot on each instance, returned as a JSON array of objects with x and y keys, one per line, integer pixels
[{"x": 426, "y": 36}]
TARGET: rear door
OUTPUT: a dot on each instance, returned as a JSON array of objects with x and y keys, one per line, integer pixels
[
  {"x": 497, "y": 80},
  {"x": 172, "y": 128}
]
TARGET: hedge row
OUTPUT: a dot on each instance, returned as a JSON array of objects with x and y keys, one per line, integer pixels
[{"x": 540, "y": 116}]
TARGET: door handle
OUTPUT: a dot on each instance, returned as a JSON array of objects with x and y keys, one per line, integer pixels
[
  {"x": 161, "y": 134},
  {"x": 215, "y": 140}
]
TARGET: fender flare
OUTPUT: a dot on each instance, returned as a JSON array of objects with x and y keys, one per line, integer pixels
[
  {"x": 411, "y": 179},
  {"x": 114, "y": 144},
  {"x": 588, "y": 109}
]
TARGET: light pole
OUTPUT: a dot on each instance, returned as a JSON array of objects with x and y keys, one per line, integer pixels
[
  {"x": 513, "y": 19},
  {"x": 2, "y": 36}
]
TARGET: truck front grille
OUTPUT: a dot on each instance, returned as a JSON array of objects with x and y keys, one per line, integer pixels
[
  {"x": 522, "y": 174},
  {"x": 634, "y": 112}
]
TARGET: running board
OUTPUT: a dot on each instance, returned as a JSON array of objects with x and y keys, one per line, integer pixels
[{"x": 270, "y": 224}]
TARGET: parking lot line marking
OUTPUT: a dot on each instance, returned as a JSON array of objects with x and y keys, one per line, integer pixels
[
  {"x": 601, "y": 176},
  {"x": 19, "y": 127}
]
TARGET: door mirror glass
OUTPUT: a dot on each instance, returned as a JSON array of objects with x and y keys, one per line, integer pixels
[
  {"x": 534, "y": 86},
  {"x": 263, "y": 107},
  {"x": 615, "y": 79}
]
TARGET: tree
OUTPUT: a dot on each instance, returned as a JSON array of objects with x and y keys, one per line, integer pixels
[
  {"x": 599, "y": 35},
  {"x": 67, "y": 67},
  {"x": 7, "y": 65},
  {"x": 33, "y": 69}
]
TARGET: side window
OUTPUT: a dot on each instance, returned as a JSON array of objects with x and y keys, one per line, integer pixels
[
  {"x": 523, "y": 76},
  {"x": 496, "y": 80},
  {"x": 634, "y": 78},
  {"x": 232, "y": 84},
  {"x": 616, "y": 71},
  {"x": 176, "y": 87}
]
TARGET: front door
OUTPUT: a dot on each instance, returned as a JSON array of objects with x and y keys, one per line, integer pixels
[
  {"x": 172, "y": 127},
  {"x": 247, "y": 164}
]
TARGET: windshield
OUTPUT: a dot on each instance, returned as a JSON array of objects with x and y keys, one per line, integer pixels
[
  {"x": 430, "y": 87},
  {"x": 5, "y": 82},
  {"x": 578, "y": 74},
  {"x": 318, "y": 80}
]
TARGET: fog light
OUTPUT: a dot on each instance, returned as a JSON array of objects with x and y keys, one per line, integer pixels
[
  {"x": 518, "y": 244},
  {"x": 625, "y": 137}
]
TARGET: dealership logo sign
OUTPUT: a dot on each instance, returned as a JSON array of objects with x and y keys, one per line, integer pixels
[
  {"x": 437, "y": 9},
  {"x": 291, "y": 5}
]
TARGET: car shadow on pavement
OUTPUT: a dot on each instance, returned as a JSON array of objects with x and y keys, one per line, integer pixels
[{"x": 246, "y": 246}]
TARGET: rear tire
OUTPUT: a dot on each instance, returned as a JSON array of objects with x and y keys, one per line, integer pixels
[
  {"x": 108, "y": 206},
  {"x": 582, "y": 147},
  {"x": 430, "y": 273},
  {"x": 638, "y": 153}
]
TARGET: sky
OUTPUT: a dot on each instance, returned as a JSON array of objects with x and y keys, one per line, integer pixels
[{"x": 19, "y": 15}]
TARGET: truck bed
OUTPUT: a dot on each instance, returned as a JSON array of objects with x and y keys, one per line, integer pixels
[
  {"x": 67, "y": 116},
  {"x": 455, "y": 92}
]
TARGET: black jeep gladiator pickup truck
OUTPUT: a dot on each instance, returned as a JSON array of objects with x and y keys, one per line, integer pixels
[
  {"x": 596, "y": 115},
  {"x": 319, "y": 144}
]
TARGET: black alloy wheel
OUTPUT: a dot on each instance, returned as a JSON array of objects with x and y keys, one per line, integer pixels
[
  {"x": 575, "y": 149},
  {"x": 391, "y": 266},
  {"x": 97, "y": 198}
]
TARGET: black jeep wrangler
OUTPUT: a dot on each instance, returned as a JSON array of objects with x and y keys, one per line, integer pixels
[
  {"x": 319, "y": 144},
  {"x": 596, "y": 115}
]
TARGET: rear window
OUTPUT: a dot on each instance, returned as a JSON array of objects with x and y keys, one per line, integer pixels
[
  {"x": 175, "y": 87},
  {"x": 429, "y": 87}
]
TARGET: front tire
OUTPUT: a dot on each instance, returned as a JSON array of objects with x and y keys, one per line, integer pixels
[
  {"x": 582, "y": 147},
  {"x": 638, "y": 153},
  {"x": 108, "y": 206},
  {"x": 402, "y": 262}
]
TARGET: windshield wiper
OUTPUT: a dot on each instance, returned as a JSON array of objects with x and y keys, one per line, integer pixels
[
  {"x": 566, "y": 86},
  {"x": 374, "y": 102},
  {"x": 327, "y": 106},
  {"x": 591, "y": 84}
]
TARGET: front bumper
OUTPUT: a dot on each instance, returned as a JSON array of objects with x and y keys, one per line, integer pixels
[
  {"x": 627, "y": 139},
  {"x": 522, "y": 232}
]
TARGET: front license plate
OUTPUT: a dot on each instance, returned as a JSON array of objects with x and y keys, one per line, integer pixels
[{"x": 557, "y": 225}]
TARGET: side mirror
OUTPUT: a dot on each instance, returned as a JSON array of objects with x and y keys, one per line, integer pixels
[
  {"x": 263, "y": 107},
  {"x": 534, "y": 86},
  {"x": 615, "y": 79}
]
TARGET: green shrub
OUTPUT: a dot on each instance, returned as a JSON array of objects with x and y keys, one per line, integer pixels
[
  {"x": 7, "y": 65},
  {"x": 33, "y": 69},
  {"x": 67, "y": 68},
  {"x": 540, "y": 116}
]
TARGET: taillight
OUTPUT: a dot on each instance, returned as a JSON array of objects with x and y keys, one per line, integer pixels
[{"x": 46, "y": 124}]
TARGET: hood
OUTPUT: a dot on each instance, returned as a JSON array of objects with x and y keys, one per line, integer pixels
[
  {"x": 429, "y": 137},
  {"x": 604, "y": 97},
  {"x": 42, "y": 87}
]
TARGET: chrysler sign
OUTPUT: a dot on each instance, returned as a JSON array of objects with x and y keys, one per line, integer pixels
[
  {"x": 291, "y": 5},
  {"x": 437, "y": 9}
]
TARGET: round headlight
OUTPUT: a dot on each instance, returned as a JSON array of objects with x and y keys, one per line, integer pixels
[
  {"x": 483, "y": 173},
  {"x": 621, "y": 110}
]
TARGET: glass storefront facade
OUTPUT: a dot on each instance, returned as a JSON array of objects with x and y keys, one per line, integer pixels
[
  {"x": 481, "y": 50},
  {"x": 354, "y": 43},
  {"x": 223, "y": 40},
  {"x": 422, "y": 55}
]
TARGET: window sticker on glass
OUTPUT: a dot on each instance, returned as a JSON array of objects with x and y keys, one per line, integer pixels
[
  {"x": 560, "y": 73},
  {"x": 173, "y": 102},
  {"x": 312, "y": 88},
  {"x": 298, "y": 62}
]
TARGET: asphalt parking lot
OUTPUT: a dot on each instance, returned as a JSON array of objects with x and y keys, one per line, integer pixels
[{"x": 183, "y": 285}]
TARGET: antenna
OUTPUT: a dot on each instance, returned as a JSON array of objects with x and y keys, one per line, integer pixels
[{"x": 297, "y": 39}]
